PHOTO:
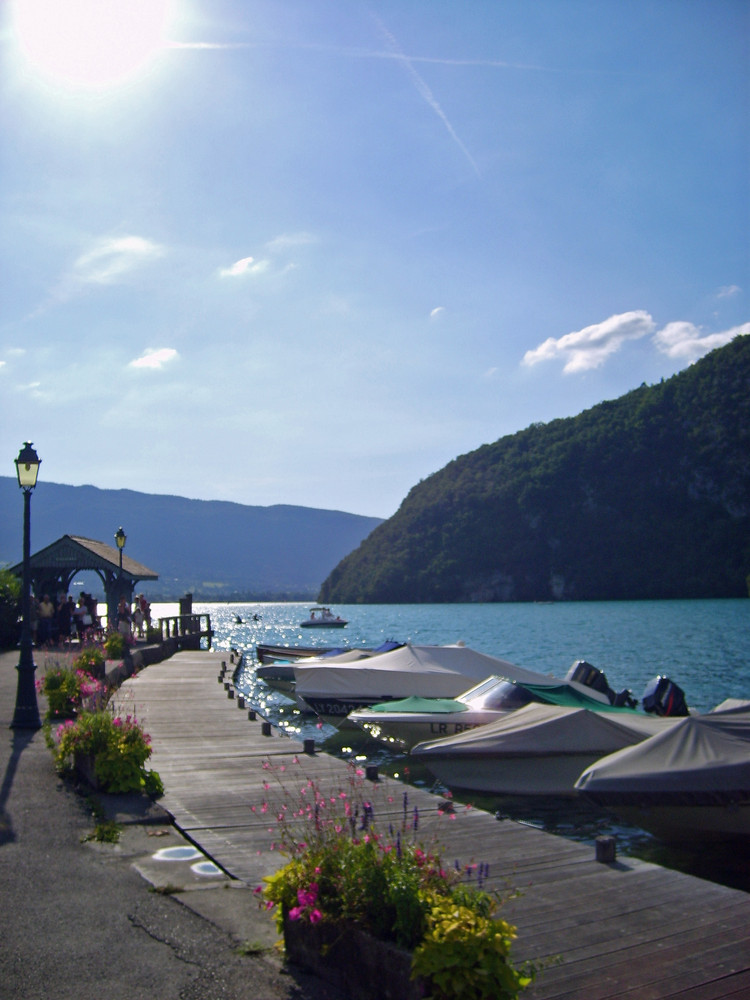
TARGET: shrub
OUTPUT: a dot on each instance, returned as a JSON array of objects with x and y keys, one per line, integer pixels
[
  {"x": 119, "y": 748},
  {"x": 68, "y": 689},
  {"x": 90, "y": 659},
  {"x": 115, "y": 646}
]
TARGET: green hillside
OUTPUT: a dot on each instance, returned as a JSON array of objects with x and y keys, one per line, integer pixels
[{"x": 646, "y": 496}]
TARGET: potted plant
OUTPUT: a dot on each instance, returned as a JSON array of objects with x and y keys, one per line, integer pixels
[
  {"x": 70, "y": 688},
  {"x": 108, "y": 751},
  {"x": 352, "y": 901}
]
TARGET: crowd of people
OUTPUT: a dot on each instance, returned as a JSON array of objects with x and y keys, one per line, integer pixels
[{"x": 57, "y": 623}]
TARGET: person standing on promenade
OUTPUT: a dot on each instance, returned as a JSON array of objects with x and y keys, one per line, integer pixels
[
  {"x": 64, "y": 618},
  {"x": 46, "y": 614},
  {"x": 124, "y": 620}
]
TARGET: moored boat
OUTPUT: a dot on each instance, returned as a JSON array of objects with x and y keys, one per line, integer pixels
[
  {"x": 691, "y": 782},
  {"x": 333, "y": 691},
  {"x": 539, "y": 749}
]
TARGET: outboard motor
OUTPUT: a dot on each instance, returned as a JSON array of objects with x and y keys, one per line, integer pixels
[
  {"x": 585, "y": 673},
  {"x": 664, "y": 697}
]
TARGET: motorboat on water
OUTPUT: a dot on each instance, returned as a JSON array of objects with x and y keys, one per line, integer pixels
[
  {"x": 279, "y": 674},
  {"x": 268, "y": 653},
  {"x": 321, "y": 617},
  {"x": 539, "y": 749},
  {"x": 413, "y": 720},
  {"x": 689, "y": 783},
  {"x": 334, "y": 690}
]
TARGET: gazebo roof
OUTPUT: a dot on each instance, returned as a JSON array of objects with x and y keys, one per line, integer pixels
[{"x": 75, "y": 552}]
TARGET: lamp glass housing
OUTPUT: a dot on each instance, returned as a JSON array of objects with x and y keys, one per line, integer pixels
[
  {"x": 120, "y": 538},
  {"x": 27, "y": 467}
]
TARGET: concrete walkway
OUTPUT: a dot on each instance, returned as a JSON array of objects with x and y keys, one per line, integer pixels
[{"x": 80, "y": 921}]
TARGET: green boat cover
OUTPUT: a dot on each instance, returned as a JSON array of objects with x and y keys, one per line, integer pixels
[
  {"x": 415, "y": 704},
  {"x": 569, "y": 697}
]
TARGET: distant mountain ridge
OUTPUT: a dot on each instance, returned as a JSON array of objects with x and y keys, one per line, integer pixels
[
  {"x": 214, "y": 549},
  {"x": 646, "y": 496}
]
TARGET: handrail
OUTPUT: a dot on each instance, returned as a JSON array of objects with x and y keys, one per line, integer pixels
[{"x": 190, "y": 627}]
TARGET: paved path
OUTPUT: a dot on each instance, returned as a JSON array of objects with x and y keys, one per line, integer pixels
[{"x": 78, "y": 922}]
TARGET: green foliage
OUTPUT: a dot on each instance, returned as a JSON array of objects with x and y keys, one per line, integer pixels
[
  {"x": 115, "y": 646},
  {"x": 464, "y": 955},
  {"x": 90, "y": 659},
  {"x": 10, "y": 597},
  {"x": 642, "y": 497},
  {"x": 68, "y": 688},
  {"x": 119, "y": 748}
]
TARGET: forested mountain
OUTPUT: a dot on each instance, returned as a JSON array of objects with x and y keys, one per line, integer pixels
[
  {"x": 210, "y": 548},
  {"x": 646, "y": 496}
]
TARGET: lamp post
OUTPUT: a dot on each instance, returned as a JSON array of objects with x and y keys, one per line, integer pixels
[
  {"x": 26, "y": 715},
  {"x": 120, "y": 538}
]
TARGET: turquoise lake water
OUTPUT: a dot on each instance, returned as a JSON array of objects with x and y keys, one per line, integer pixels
[{"x": 704, "y": 646}]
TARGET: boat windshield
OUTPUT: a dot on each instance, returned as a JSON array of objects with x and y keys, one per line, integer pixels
[{"x": 500, "y": 694}]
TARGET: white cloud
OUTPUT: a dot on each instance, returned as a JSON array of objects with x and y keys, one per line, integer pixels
[
  {"x": 685, "y": 341},
  {"x": 154, "y": 358},
  {"x": 437, "y": 312},
  {"x": 728, "y": 291},
  {"x": 111, "y": 258},
  {"x": 589, "y": 348},
  {"x": 287, "y": 240},
  {"x": 246, "y": 265}
]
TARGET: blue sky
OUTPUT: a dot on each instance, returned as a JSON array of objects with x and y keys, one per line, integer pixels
[{"x": 309, "y": 251}]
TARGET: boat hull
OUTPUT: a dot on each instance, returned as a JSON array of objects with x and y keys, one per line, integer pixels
[{"x": 552, "y": 774}]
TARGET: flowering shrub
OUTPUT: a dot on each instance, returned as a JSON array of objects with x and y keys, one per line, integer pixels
[
  {"x": 119, "y": 748},
  {"x": 68, "y": 689},
  {"x": 115, "y": 646},
  {"x": 342, "y": 870},
  {"x": 90, "y": 659}
]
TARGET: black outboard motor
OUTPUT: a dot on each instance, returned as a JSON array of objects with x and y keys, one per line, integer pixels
[
  {"x": 664, "y": 697},
  {"x": 583, "y": 672}
]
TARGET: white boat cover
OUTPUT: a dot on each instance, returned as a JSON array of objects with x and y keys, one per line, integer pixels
[
  {"x": 430, "y": 671},
  {"x": 700, "y": 754},
  {"x": 540, "y": 730}
]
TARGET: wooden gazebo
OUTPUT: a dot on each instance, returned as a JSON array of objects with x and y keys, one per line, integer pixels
[{"x": 54, "y": 568}]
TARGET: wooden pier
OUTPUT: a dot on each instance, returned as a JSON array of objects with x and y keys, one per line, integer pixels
[{"x": 626, "y": 929}]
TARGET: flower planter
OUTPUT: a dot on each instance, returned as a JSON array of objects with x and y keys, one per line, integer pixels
[{"x": 352, "y": 960}]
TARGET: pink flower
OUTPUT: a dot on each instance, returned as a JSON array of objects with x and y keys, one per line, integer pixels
[
  {"x": 295, "y": 913},
  {"x": 315, "y": 916}
]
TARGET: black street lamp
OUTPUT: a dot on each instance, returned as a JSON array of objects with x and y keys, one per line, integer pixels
[
  {"x": 120, "y": 538},
  {"x": 26, "y": 715}
]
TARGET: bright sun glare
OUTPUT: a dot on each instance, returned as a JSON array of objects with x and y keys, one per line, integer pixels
[{"x": 90, "y": 43}]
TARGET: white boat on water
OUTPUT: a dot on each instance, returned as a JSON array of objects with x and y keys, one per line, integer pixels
[
  {"x": 323, "y": 618},
  {"x": 413, "y": 720},
  {"x": 279, "y": 674},
  {"x": 689, "y": 783},
  {"x": 335, "y": 690},
  {"x": 539, "y": 749},
  {"x": 404, "y": 723}
]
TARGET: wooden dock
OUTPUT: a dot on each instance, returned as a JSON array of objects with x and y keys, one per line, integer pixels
[{"x": 628, "y": 929}]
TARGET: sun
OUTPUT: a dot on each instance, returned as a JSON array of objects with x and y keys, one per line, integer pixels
[{"x": 90, "y": 44}]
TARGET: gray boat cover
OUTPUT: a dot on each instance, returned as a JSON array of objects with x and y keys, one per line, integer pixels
[
  {"x": 699, "y": 755},
  {"x": 428, "y": 671},
  {"x": 536, "y": 730}
]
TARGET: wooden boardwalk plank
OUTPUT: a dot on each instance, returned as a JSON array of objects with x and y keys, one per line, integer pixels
[{"x": 625, "y": 931}]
